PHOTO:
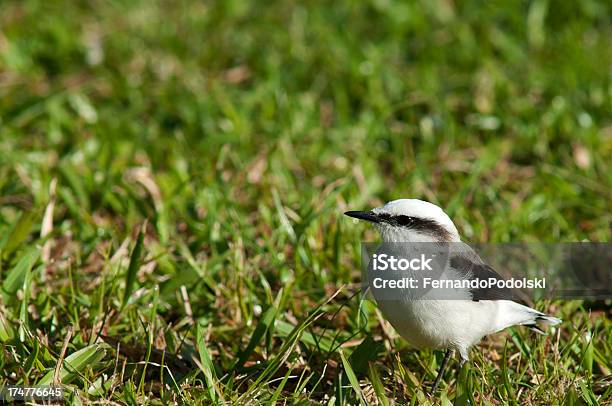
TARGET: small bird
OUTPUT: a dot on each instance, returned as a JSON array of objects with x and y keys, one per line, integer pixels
[{"x": 451, "y": 325}]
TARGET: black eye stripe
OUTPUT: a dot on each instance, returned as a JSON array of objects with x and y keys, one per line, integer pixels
[
  {"x": 385, "y": 216},
  {"x": 424, "y": 225}
]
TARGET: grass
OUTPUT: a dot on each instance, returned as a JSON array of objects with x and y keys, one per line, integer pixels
[{"x": 173, "y": 175}]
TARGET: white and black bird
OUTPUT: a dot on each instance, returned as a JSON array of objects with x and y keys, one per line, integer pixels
[{"x": 451, "y": 325}]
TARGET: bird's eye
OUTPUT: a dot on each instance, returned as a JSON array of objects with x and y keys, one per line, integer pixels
[{"x": 404, "y": 220}]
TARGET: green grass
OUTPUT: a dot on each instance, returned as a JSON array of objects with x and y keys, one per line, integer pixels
[{"x": 194, "y": 248}]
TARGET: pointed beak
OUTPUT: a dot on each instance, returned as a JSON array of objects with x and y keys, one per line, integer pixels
[{"x": 363, "y": 215}]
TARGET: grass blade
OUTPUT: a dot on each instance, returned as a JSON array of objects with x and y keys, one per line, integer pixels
[
  {"x": 264, "y": 325},
  {"x": 279, "y": 389},
  {"x": 379, "y": 389},
  {"x": 365, "y": 352},
  {"x": 206, "y": 363},
  {"x": 18, "y": 234},
  {"x": 352, "y": 378},
  {"x": 135, "y": 263},
  {"x": 77, "y": 363},
  {"x": 16, "y": 276},
  {"x": 6, "y": 331}
]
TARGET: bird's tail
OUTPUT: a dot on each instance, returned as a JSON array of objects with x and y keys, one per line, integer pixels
[
  {"x": 528, "y": 317},
  {"x": 538, "y": 319}
]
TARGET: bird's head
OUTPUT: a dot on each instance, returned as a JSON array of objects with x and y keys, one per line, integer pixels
[{"x": 410, "y": 220}]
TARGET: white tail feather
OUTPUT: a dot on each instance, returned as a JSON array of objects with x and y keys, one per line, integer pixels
[
  {"x": 517, "y": 314},
  {"x": 547, "y": 320}
]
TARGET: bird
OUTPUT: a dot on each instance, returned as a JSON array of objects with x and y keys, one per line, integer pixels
[{"x": 453, "y": 326}]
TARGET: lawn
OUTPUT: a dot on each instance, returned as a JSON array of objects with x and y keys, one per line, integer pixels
[{"x": 173, "y": 176}]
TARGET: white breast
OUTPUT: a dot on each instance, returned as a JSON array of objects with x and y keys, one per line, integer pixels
[{"x": 440, "y": 324}]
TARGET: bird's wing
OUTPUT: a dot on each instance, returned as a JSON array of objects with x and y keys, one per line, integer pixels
[{"x": 468, "y": 265}]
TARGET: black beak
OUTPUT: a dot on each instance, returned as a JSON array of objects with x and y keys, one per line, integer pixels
[{"x": 364, "y": 215}]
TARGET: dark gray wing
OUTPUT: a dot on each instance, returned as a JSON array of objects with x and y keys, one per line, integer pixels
[{"x": 470, "y": 266}]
